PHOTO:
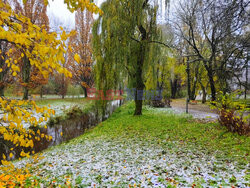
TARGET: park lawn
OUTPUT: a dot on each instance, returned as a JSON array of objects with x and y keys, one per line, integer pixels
[
  {"x": 158, "y": 148},
  {"x": 162, "y": 125},
  {"x": 66, "y": 101},
  {"x": 62, "y": 106}
]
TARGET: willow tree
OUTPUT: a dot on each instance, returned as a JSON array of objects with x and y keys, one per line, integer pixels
[{"x": 121, "y": 44}]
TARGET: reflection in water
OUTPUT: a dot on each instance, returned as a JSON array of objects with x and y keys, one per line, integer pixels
[{"x": 69, "y": 128}]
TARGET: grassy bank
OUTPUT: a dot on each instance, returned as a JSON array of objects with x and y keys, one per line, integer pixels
[
  {"x": 66, "y": 101},
  {"x": 155, "y": 124},
  {"x": 66, "y": 108},
  {"x": 157, "y": 149}
]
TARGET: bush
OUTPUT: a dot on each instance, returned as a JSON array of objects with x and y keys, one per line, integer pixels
[{"x": 232, "y": 114}]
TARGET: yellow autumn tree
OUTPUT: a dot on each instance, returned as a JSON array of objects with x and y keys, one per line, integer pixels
[
  {"x": 47, "y": 56},
  {"x": 48, "y": 50},
  {"x": 36, "y": 11},
  {"x": 81, "y": 44}
]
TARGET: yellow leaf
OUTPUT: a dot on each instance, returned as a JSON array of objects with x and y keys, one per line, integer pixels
[
  {"x": 11, "y": 155},
  {"x": 4, "y": 162},
  {"x": 77, "y": 58}
]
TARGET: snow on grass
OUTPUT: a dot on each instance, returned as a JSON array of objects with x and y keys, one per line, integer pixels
[
  {"x": 61, "y": 106},
  {"x": 155, "y": 150},
  {"x": 108, "y": 162},
  {"x": 209, "y": 116}
]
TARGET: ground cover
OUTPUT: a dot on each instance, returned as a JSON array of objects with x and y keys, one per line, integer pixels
[{"x": 157, "y": 149}]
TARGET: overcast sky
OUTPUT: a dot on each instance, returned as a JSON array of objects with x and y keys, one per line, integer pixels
[{"x": 59, "y": 15}]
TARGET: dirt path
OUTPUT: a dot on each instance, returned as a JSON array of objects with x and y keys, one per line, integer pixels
[{"x": 199, "y": 110}]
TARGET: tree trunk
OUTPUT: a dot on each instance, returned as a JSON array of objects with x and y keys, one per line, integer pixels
[
  {"x": 41, "y": 92},
  {"x": 85, "y": 92},
  {"x": 204, "y": 94},
  {"x": 211, "y": 80},
  {"x": 25, "y": 93},
  {"x": 173, "y": 88},
  {"x": 120, "y": 95},
  {"x": 26, "y": 77},
  {"x": 210, "y": 74},
  {"x": 193, "y": 91},
  {"x": 212, "y": 86},
  {"x": 1, "y": 91},
  {"x": 246, "y": 84},
  {"x": 160, "y": 91},
  {"x": 139, "y": 82},
  {"x": 138, "y": 107}
]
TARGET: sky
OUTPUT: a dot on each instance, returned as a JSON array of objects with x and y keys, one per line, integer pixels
[{"x": 59, "y": 15}]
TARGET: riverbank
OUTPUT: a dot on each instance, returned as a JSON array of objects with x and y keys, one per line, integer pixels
[
  {"x": 67, "y": 111},
  {"x": 156, "y": 149}
]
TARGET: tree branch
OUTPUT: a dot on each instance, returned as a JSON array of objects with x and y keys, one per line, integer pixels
[
  {"x": 135, "y": 39},
  {"x": 158, "y": 42}
]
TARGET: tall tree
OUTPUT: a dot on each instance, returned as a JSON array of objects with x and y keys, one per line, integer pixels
[
  {"x": 5, "y": 76},
  {"x": 61, "y": 80},
  {"x": 48, "y": 49},
  {"x": 81, "y": 44},
  {"x": 219, "y": 24},
  {"x": 121, "y": 40},
  {"x": 158, "y": 74},
  {"x": 36, "y": 11}
]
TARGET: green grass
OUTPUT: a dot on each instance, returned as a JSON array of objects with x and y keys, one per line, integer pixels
[
  {"x": 76, "y": 107},
  {"x": 182, "y": 130},
  {"x": 80, "y": 101},
  {"x": 173, "y": 133}
]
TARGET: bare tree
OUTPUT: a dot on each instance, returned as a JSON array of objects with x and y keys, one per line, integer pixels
[{"x": 212, "y": 29}]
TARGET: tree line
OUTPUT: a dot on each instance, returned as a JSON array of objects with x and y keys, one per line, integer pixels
[
  {"x": 203, "y": 45},
  {"x": 31, "y": 76}
]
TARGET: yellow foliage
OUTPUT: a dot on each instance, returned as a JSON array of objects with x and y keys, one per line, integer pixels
[
  {"x": 73, "y": 5},
  {"x": 47, "y": 55},
  {"x": 77, "y": 58},
  {"x": 47, "y": 49}
]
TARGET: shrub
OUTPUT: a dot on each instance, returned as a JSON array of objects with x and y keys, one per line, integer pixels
[
  {"x": 232, "y": 114},
  {"x": 74, "y": 112}
]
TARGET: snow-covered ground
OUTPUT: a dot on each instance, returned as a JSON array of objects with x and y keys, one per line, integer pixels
[
  {"x": 123, "y": 161},
  {"x": 60, "y": 108},
  {"x": 106, "y": 162},
  {"x": 209, "y": 116}
]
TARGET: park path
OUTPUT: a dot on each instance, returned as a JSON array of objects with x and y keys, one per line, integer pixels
[{"x": 199, "y": 111}]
